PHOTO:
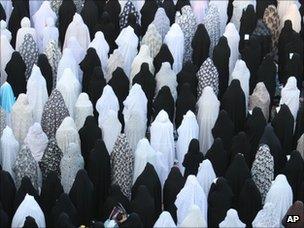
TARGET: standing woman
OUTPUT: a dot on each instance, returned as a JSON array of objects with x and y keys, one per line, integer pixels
[{"x": 65, "y": 16}]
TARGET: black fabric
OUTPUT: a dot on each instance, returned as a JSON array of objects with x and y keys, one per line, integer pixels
[
  {"x": 147, "y": 11},
  {"x": 187, "y": 75},
  {"x": 133, "y": 220},
  {"x": 65, "y": 16},
  {"x": 2, "y": 13},
  {"x": 64, "y": 221},
  {"x": 132, "y": 21},
  {"x": 240, "y": 145},
  {"x": 294, "y": 67},
  {"x": 262, "y": 5},
  {"x": 219, "y": 201},
  {"x": 99, "y": 171},
  {"x": 224, "y": 129},
  {"x": 172, "y": 186},
  {"x": 221, "y": 55},
  {"x": 200, "y": 45},
  {"x": 89, "y": 134},
  {"x": 249, "y": 202},
  {"x": 164, "y": 101},
  {"x": 299, "y": 130},
  {"x": 4, "y": 219},
  {"x": 89, "y": 14},
  {"x": 15, "y": 70},
  {"x": 30, "y": 222},
  {"x": 81, "y": 195},
  {"x": 26, "y": 187},
  {"x": 192, "y": 158},
  {"x": 164, "y": 55},
  {"x": 180, "y": 4},
  {"x": 149, "y": 178},
  {"x": 263, "y": 34},
  {"x": 113, "y": 8},
  {"x": 234, "y": 102},
  {"x": 7, "y": 193},
  {"x": 100, "y": 5},
  {"x": 169, "y": 7},
  {"x": 46, "y": 71},
  {"x": 97, "y": 224}
]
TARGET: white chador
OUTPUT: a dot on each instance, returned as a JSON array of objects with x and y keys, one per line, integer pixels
[
  {"x": 70, "y": 88},
  {"x": 175, "y": 42},
  {"x": 22, "y": 117},
  {"x": 166, "y": 77},
  {"x": 36, "y": 92},
  {"x": 5, "y": 56},
  {"x": 199, "y": 9},
  {"x": 222, "y": 8},
  {"x": 83, "y": 109},
  {"x": 79, "y": 30},
  {"x": 67, "y": 133},
  {"x": 77, "y": 51},
  {"x": 191, "y": 194},
  {"x": 40, "y": 19},
  {"x": 187, "y": 131},
  {"x": 127, "y": 42},
  {"x": 232, "y": 220},
  {"x": 143, "y": 56},
  {"x": 102, "y": 48},
  {"x": 9, "y": 148},
  {"x": 25, "y": 29},
  {"x": 28, "y": 207},
  {"x": 4, "y": 31},
  {"x": 162, "y": 139},
  {"x": 108, "y": 101},
  {"x": 206, "y": 175},
  {"x": 238, "y": 7},
  {"x": 110, "y": 128},
  {"x": 50, "y": 32},
  {"x": 233, "y": 39},
  {"x": 208, "y": 109},
  {"x": 292, "y": 14},
  {"x": 194, "y": 218},
  {"x": 283, "y": 9},
  {"x": 67, "y": 61},
  {"x": 165, "y": 220}
]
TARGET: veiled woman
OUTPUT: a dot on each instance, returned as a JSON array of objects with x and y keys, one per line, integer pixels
[
  {"x": 152, "y": 39},
  {"x": 67, "y": 60},
  {"x": 83, "y": 108}
]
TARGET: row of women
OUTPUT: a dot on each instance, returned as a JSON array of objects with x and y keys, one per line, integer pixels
[{"x": 151, "y": 113}]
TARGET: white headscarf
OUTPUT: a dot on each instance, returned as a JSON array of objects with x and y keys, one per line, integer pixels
[
  {"x": 161, "y": 22},
  {"x": 83, "y": 109},
  {"x": 70, "y": 88},
  {"x": 107, "y": 101},
  {"x": 175, "y": 40},
  {"x": 232, "y": 220},
  {"x": 115, "y": 60},
  {"x": 77, "y": 51},
  {"x": 9, "y": 148},
  {"x": 191, "y": 194},
  {"x": 267, "y": 217},
  {"x": 67, "y": 133},
  {"x": 79, "y": 30},
  {"x": 102, "y": 48},
  {"x": 290, "y": 95},
  {"x": 233, "y": 39},
  {"x": 127, "y": 43},
  {"x": 67, "y": 61},
  {"x": 194, "y": 218},
  {"x": 208, "y": 109},
  {"x": 187, "y": 131},
  {"x": 25, "y": 29},
  {"x": 5, "y": 56},
  {"x": 164, "y": 220},
  {"x": 199, "y": 9},
  {"x": 206, "y": 175},
  {"x": 49, "y": 32},
  {"x": 238, "y": 7},
  {"x": 28, "y": 207},
  {"x": 4, "y": 31},
  {"x": 36, "y": 92},
  {"x": 222, "y": 8}
]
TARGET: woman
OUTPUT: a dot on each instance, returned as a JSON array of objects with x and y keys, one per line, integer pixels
[
  {"x": 83, "y": 109},
  {"x": 200, "y": 45},
  {"x": 24, "y": 30},
  {"x": 232, "y": 220},
  {"x": 194, "y": 218},
  {"x": 46, "y": 70},
  {"x": 7, "y": 101},
  {"x": 165, "y": 101},
  {"x": 165, "y": 220},
  {"x": 67, "y": 61},
  {"x": 206, "y": 175},
  {"x": 192, "y": 158},
  {"x": 6, "y": 53},
  {"x": 152, "y": 39},
  {"x": 212, "y": 25}
]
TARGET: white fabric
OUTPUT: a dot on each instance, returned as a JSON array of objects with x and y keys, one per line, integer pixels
[
  {"x": 70, "y": 88},
  {"x": 36, "y": 92},
  {"x": 283, "y": 6},
  {"x": 107, "y": 101},
  {"x": 4, "y": 31},
  {"x": 9, "y": 149},
  {"x": 222, "y": 8},
  {"x": 199, "y": 9},
  {"x": 191, "y": 194},
  {"x": 164, "y": 220},
  {"x": 5, "y": 56},
  {"x": 292, "y": 14},
  {"x": 8, "y": 7},
  {"x": 300, "y": 145},
  {"x": 79, "y": 30},
  {"x": 127, "y": 42},
  {"x": 83, "y": 109},
  {"x": 25, "y": 29},
  {"x": 267, "y": 217},
  {"x": 208, "y": 109},
  {"x": 115, "y": 60},
  {"x": 77, "y": 51},
  {"x": 28, "y": 207},
  {"x": 22, "y": 117},
  {"x": 206, "y": 175},
  {"x": 194, "y": 218},
  {"x": 34, "y": 6},
  {"x": 238, "y": 7},
  {"x": 175, "y": 42},
  {"x": 232, "y": 219},
  {"x": 49, "y": 32},
  {"x": 187, "y": 131},
  {"x": 67, "y": 61}
]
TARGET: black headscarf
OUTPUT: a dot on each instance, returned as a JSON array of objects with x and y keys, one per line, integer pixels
[
  {"x": 133, "y": 220},
  {"x": 147, "y": 11},
  {"x": 180, "y": 4},
  {"x": 299, "y": 130},
  {"x": 2, "y": 13},
  {"x": 294, "y": 172},
  {"x": 164, "y": 101},
  {"x": 90, "y": 14},
  {"x": 26, "y": 187},
  {"x": 99, "y": 171},
  {"x": 234, "y": 102},
  {"x": 169, "y": 7},
  {"x": 143, "y": 204},
  {"x": 200, "y": 45},
  {"x": 89, "y": 134},
  {"x": 294, "y": 67},
  {"x": 65, "y": 16},
  {"x": 187, "y": 75},
  {"x": 224, "y": 129},
  {"x": 113, "y": 8},
  {"x": 218, "y": 156},
  {"x": 262, "y": 5},
  {"x": 164, "y": 55},
  {"x": 100, "y": 4},
  {"x": 7, "y": 193},
  {"x": 174, "y": 183},
  {"x": 30, "y": 222},
  {"x": 192, "y": 158},
  {"x": 64, "y": 221},
  {"x": 247, "y": 23},
  {"x": 185, "y": 101},
  {"x": 249, "y": 202},
  {"x": 221, "y": 55},
  {"x": 81, "y": 195},
  {"x": 219, "y": 201},
  {"x": 46, "y": 71},
  {"x": 15, "y": 70},
  {"x": 87, "y": 65},
  {"x": 149, "y": 178},
  {"x": 240, "y": 145},
  {"x": 132, "y": 21}
]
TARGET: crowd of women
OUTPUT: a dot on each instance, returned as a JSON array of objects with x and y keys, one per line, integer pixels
[{"x": 150, "y": 113}]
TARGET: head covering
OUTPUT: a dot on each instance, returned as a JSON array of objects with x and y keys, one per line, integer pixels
[
  {"x": 8, "y": 190},
  {"x": 192, "y": 158},
  {"x": 54, "y": 112},
  {"x": 50, "y": 33},
  {"x": 115, "y": 60},
  {"x": 296, "y": 209},
  {"x": 165, "y": 220},
  {"x": 53, "y": 54},
  {"x": 161, "y": 22},
  {"x": 206, "y": 175},
  {"x": 4, "y": 30},
  {"x": 292, "y": 13},
  {"x": 128, "y": 9},
  {"x": 238, "y": 7},
  {"x": 67, "y": 61},
  {"x": 147, "y": 11},
  {"x": 7, "y": 99},
  {"x": 194, "y": 218},
  {"x": 89, "y": 13},
  {"x": 263, "y": 33},
  {"x": 71, "y": 162},
  {"x": 248, "y": 23},
  {"x": 165, "y": 101},
  {"x": 25, "y": 29},
  {"x": 164, "y": 55},
  {"x": 6, "y": 54},
  {"x": 36, "y": 92},
  {"x": 272, "y": 21},
  {"x": 152, "y": 39},
  {"x": 267, "y": 217},
  {"x": 83, "y": 109},
  {"x": 232, "y": 220},
  {"x": 36, "y": 140},
  {"x": 260, "y": 98},
  {"x": 77, "y": 51},
  {"x": 46, "y": 70},
  {"x": 240, "y": 145}
]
